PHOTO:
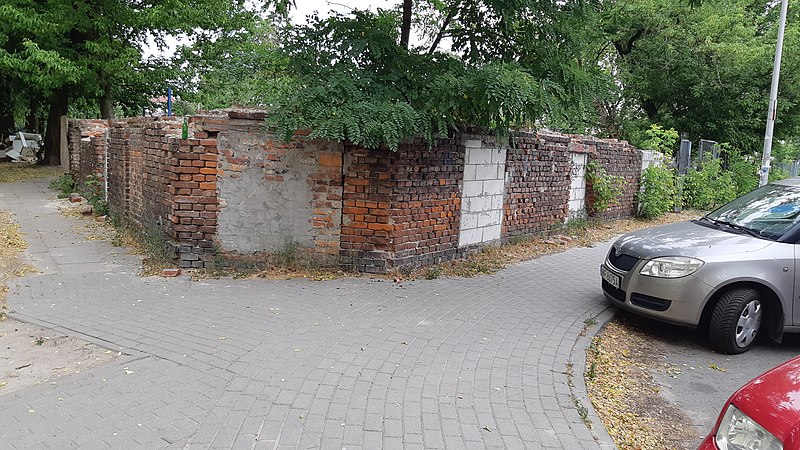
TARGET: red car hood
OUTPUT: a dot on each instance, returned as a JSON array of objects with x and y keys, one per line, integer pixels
[{"x": 773, "y": 400}]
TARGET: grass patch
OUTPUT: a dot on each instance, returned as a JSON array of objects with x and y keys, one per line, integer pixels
[
  {"x": 11, "y": 172},
  {"x": 149, "y": 243}
]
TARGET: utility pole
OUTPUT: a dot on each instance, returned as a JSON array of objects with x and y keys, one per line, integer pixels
[{"x": 773, "y": 98}]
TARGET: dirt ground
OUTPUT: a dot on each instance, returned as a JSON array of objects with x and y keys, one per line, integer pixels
[{"x": 31, "y": 355}]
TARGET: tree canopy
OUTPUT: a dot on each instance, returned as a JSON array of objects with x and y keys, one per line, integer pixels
[{"x": 425, "y": 67}]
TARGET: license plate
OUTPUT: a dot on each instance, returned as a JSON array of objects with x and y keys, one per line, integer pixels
[{"x": 610, "y": 277}]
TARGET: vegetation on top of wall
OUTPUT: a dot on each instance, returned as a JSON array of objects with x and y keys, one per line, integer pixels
[
  {"x": 352, "y": 81},
  {"x": 660, "y": 140}
]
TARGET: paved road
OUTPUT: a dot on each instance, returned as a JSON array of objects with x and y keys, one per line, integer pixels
[{"x": 352, "y": 363}]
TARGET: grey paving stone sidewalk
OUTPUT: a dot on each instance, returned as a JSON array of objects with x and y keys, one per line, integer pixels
[{"x": 352, "y": 363}]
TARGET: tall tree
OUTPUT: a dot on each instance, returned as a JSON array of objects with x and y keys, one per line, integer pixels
[
  {"x": 93, "y": 48},
  {"x": 703, "y": 68}
]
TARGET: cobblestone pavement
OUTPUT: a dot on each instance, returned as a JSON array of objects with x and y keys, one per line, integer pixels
[{"x": 352, "y": 363}]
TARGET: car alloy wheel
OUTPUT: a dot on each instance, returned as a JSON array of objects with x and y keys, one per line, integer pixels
[{"x": 749, "y": 323}]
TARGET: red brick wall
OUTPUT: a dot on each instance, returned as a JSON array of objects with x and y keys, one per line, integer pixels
[
  {"x": 87, "y": 145},
  {"x": 401, "y": 208},
  {"x": 538, "y": 177},
  {"x": 621, "y": 159},
  {"x": 376, "y": 209}
]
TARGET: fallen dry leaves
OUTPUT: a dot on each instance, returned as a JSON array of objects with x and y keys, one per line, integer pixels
[
  {"x": 11, "y": 245},
  {"x": 491, "y": 259},
  {"x": 625, "y": 395}
]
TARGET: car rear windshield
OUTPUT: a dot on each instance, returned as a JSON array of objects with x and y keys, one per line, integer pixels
[{"x": 771, "y": 211}]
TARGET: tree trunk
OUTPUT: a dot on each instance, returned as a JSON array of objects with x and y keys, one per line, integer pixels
[
  {"x": 107, "y": 103},
  {"x": 52, "y": 137},
  {"x": 7, "y": 125},
  {"x": 405, "y": 30},
  {"x": 32, "y": 119}
]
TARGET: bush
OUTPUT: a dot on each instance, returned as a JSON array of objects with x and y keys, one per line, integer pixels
[
  {"x": 607, "y": 188},
  {"x": 94, "y": 193},
  {"x": 658, "y": 193},
  {"x": 709, "y": 187},
  {"x": 64, "y": 185},
  {"x": 660, "y": 140}
]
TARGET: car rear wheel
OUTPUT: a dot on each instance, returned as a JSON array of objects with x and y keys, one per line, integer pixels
[{"x": 736, "y": 320}]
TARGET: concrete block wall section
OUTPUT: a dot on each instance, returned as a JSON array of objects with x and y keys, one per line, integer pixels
[
  {"x": 577, "y": 190},
  {"x": 483, "y": 192}
]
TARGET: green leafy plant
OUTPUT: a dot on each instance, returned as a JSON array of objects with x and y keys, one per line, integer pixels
[
  {"x": 354, "y": 83},
  {"x": 709, "y": 187},
  {"x": 660, "y": 140},
  {"x": 658, "y": 192},
  {"x": 94, "y": 193},
  {"x": 607, "y": 188},
  {"x": 64, "y": 185}
]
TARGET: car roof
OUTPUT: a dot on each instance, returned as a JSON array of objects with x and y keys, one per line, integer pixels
[{"x": 794, "y": 181}]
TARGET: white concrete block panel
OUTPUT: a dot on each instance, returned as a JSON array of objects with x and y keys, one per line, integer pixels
[
  {"x": 577, "y": 192},
  {"x": 497, "y": 202},
  {"x": 469, "y": 172},
  {"x": 492, "y": 233},
  {"x": 486, "y": 172},
  {"x": 491, "y": 187},
  {"x": 469, "y": 220},
  {"x": 482, "y": 194},
  {"x": 469, "y": 237},
  {"x": 472, "y": 188},
  {"x": 489, "y": 218}
]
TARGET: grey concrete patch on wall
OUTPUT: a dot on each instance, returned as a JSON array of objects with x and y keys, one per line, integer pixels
[
  {"x": 257, "y": 215},
  {"x": 482, "y": 196}
]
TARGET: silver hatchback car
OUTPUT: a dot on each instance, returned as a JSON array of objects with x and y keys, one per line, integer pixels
[{"x": 733, "y": 271}]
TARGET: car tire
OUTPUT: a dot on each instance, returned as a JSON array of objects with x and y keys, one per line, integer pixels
[{"x": 736, "y": 320}]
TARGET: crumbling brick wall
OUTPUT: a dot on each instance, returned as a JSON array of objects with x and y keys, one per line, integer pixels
[
  {"x": 538, "y": 176},
  {"x": 87, "y": 142},
  {"x": 401, "y": 208},
  {"x": 234, "y": 189},
  {"x": 620, "y": 159}
]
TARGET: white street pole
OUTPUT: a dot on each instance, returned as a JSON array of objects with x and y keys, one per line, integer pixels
[{"x": 773, "y": 98}]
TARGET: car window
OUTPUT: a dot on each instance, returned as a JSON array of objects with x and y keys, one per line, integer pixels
[{"x": 770, "y": 211}]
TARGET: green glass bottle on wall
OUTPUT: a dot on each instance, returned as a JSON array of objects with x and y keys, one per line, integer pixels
[{"x": 185, "y": 129}]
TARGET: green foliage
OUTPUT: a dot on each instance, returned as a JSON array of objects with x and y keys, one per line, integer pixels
[
  {"x": 64, "y": 185},
  {"x": 660, "y": 140},
  {"x": 702, "y": 68},
  {"x": 353, "y": 82},
  {"x": 658, "y": 192},
  {"x": 709, "y": 188},
  {"x": 244, "y": 67},
  {"x": 607, "y": 188},
  {"x": 94, "y": 193},
  {"x": 743, "y": 168}
]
